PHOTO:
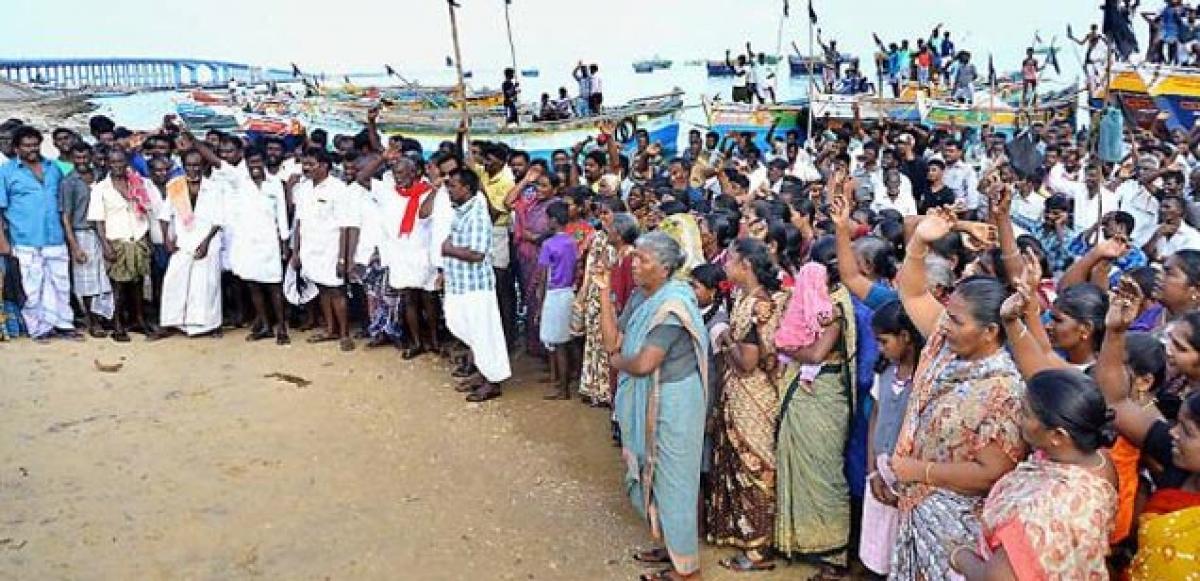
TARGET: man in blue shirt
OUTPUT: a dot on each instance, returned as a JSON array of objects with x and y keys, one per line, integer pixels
[{"x": 33, "y": 221}]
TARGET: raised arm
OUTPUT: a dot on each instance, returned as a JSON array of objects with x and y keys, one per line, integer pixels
[
  {"x": 1133, "y": 421},
  {"x": 1028, "y": 353},
  {"x": 847, "y": 263},
  {"x": 919, "y": 303}
]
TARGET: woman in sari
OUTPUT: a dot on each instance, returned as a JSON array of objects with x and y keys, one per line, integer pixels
[
  {"x": 612, "y": 245},
  {"x": 1050, "y": 517},
  {"x": 813, "y": 523},
  {"x": 741, "y": 509},
  {"x": 961, "y": 431},
  {"x": 530, "y": 227},
  {"x": 660, "y": 348},
  {"x": 1169, "y": 526}
]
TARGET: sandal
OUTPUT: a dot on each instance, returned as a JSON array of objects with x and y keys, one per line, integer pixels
[
  {"x": 653, "y": 556},
  {"x": 742, "y": 563},
  {"x": 259, "y": 334},
  {"x": 413, "y": 352},
  {"x": 282, "y": 339},
  {"x": 668, "y": 574},
  {"x": 120, "y": 336},
  {"x": 379, "y": 341},
  {"x": 829, "y": 573},
  {"x": 97, "y": 333},
  {"x": 321, "y": 337},
  {"x": 71, "y": 335},
  {"x": 346, "y": 345},
  {"x": 485, "y": 392}
]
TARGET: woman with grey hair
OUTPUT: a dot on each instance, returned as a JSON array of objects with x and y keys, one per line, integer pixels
[
  {"x": 659, "y": 347},
  {"x": 611, "y": 245}
]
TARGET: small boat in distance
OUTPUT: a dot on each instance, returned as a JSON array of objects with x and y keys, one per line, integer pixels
[
  {"x": 529, "y": 72},
  {"x": 643, "y": 67}
]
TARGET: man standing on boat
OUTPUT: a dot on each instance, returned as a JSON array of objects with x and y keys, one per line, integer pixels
[
  {"x": 510, "y": 89},
  {"x": 596, "y": 98},
  {"x": 964, "y": 75},
  {"x": 583, "y": 77}
]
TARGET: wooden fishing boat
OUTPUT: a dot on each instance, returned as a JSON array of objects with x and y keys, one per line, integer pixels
[
  {"x": 1145, "y": 91},
  {"x": 658, "y": 115},
  {"x": 643, "y": 67},
  {"x": 724, "y": 117},
  {"x": 870, "y": 107},
  {"x": 1002, "y": 117}
]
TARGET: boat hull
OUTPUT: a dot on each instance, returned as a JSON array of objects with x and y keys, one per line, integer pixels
[{"x": 756, "y": 119}]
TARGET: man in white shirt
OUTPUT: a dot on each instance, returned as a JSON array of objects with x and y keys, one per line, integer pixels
[
  {"x": 1093, "y": 201},
  {"x": 1136, "y": 197},
  {"x": 891, "y": 194},
  {"x": 1172, "y": 234},
  {"x": 1066, "y": 177},
  {"x": 324, "y": 219},
  {"x": 1029, "y": 202},
  {"x": 257, "y": 212},
  {"x": 121, "y": 209},
  {"x": 961, "y": 178}
]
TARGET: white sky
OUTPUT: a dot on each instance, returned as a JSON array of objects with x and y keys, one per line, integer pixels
[{"x": 414, "y": 34}]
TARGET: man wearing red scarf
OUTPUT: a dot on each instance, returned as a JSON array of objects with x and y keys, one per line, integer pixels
[{"x": 404, "y": 249}]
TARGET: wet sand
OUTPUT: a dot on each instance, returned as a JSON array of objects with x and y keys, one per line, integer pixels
[{"x": 190, "y": 463}]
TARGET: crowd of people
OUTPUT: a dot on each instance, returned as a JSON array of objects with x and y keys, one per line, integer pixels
[{"x": 878, "y": 348}]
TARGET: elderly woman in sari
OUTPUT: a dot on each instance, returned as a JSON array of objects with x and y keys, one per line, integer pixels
[
  {"x": 660, "y": 348},
  {"x": 1169, "y": 526},
  {"x": 961, "y": 431}
]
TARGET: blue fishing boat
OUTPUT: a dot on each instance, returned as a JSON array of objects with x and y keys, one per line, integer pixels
[
  {"x": 643, "y": 67},
  {"x": 529, "y": 72}
]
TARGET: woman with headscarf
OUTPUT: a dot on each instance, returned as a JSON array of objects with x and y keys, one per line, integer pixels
[{"x": 660, "y": 348}]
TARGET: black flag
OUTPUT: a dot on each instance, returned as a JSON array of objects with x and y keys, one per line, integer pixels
[
  {"x": 1052, "y": 59},
  {"x": 812, "y": 14},
  {"x": 296, "y": 71},
  {"x": 346, "y": 79},
  {"x": 878, "y": 40},
  {"x": 390, "y": 70},
  {"x": 1118, "y": 29},
  {"x": 786, "y": 10},
  {"x": 991, "y": 72}
]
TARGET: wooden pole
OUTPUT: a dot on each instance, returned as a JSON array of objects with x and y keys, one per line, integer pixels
[
  {"x": 811, "y": 80},
  {"x": 512, "y": 48},
  {"x": 462, "y": 86}
]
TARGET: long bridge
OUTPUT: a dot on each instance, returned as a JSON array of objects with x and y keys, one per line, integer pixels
[{"x": 133, "y": 72}]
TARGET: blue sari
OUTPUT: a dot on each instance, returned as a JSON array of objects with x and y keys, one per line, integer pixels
[{"x": 662, "y": 427}]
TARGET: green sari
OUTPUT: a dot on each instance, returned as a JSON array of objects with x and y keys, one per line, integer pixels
[{"x": 813, "y": 521}]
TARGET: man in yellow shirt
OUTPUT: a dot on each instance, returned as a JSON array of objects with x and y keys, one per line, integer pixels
[{"x": 497, "y": 181}]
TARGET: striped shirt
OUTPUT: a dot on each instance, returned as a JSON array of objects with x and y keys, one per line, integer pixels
[{"x": 472, "y": 229}]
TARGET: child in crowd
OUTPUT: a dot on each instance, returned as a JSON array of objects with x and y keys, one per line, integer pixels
[
  {"x": 900, "y": 345},
  {"x": 558, "y": 258}
]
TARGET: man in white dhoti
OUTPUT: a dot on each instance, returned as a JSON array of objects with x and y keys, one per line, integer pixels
[
  {"x": 230, "y": 150},
  {"x": 191, "y": 221},
  {"x": 472, "y": 312},
  {"x": 405, "y": 246},
  {"x": 256, "y": 209},
  {"x": 34, "y": 235},
  {"x": 322, "y": 236}
]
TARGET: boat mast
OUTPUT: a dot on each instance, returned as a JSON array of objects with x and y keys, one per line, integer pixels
[
  {"x": 811, "y": 80},
  {"x": 512, "y": 48},
  {"x": 462, "y": 87}
]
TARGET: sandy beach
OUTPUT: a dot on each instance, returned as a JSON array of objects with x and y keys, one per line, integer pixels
[{"x": 192, "y": 462}]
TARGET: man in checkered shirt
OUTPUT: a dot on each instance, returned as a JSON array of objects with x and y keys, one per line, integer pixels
[{"x": 472, "y": 311}]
